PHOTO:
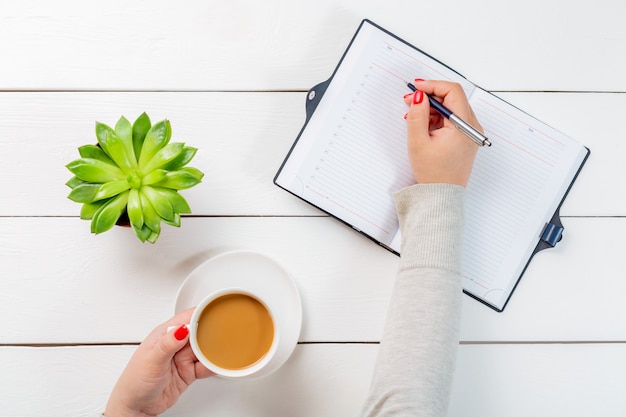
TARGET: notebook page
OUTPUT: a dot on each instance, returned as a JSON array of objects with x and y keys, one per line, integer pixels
[
  {"x": 515, "y": 188},
  {"x": 351, "y": 157}
]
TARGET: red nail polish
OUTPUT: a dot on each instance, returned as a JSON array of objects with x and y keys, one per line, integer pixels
[
  {"x": 417, "y": 80},
  {"x": 406, "y": 115},
  {"x": 406, "y": 95},
  {"x": 181, "y": 332},
  {"x": 418, "y": 97}
]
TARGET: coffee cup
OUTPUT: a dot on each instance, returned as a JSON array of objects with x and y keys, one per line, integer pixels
[{"x": 233, "y": 333}]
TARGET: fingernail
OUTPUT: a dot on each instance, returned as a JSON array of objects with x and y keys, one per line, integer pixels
[
  {"x": 418, "y": 97},
  {"x": 417, "y": 80},
  {"x": 406, "y": 95},
  {"x": 181, "y": 332},
  {"x": 406, "y": 115}
]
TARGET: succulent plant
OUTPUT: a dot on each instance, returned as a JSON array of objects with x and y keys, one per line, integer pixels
[{"x": 133, "y": 171}]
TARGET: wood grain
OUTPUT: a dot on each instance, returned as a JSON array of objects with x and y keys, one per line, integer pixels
[
  {"x": 279, "y": 45},
  {"x": 576, "y": 380},
  {"x": 242, "y": 140},
  {"x": 232, "y": 78},
  {"x": 111, "y": 288}
]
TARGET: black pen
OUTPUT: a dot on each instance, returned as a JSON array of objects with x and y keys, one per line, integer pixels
[{"x": 463, "y": 126}]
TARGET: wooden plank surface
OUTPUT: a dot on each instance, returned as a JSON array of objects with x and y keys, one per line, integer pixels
[
  {"x": 573, "y": 292},
  {"x": 232, "y": 77},
  {"x": 242, "y": 140},
  {"x": 291, "y": 45},
  {"x": 577, "y": 380}
]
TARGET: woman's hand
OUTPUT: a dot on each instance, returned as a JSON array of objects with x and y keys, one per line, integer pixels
[
  {"x": 438, "y": 151},
  {"x": 158, "y": 373}
]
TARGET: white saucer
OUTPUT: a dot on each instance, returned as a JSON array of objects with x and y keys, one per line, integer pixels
[{"x": 258, "y": 274}]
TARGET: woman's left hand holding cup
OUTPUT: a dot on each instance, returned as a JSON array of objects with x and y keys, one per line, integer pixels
[{"x": 158, "y": 373}]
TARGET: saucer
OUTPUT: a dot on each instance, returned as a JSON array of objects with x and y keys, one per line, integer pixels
[{"x": 259, "y": 274}]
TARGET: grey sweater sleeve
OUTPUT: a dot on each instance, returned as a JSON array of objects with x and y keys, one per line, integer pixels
[{"x": 415, "y": 364}]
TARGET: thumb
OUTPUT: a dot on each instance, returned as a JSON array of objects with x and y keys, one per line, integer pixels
[
  {"x": 170, "y": 343},
  {"x": 418, "y": 117}
]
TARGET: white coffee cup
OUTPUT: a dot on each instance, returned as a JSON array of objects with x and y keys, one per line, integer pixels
[{"x": 229, "y": 333}]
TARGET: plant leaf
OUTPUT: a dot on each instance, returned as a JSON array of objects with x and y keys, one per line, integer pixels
[
  {"x": 88, "y": 210},
  {"x": 74, "y": 182},
  {"x": 94, "y": 170},
  {"x": 157, "y": 137},
  {"x": 153, "y": 237},
  {"x": 193, "y": 171},
  {"x": 116, "y": 149},
  {"x": 95, "y": 152},
  {"x": 154, "y": 177},
  {"x": 124, "y": 131},
  {"x": 135, "y": 214},
  {"x": 181, "y": 160},
  {"x": 175, "y": 222},
  {"x": 144, "y": 233},
  {"x": 179, "y": 180},
  {"x": 150, "y": 217},
  {"x": 162, "y": 157},
  {"x": 106, "y": 216},
  {"x": 111, "y": 189},
  {"x": 85, "y": 193},
  {"x": 178, "y": 202},
  {"x": 141, "y": 126},
  {"x": 102, "y": 131},
  {"x": 159, "y": 202}
]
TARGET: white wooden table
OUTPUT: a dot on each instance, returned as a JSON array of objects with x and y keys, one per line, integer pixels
[{"x": 232, "y": 78}]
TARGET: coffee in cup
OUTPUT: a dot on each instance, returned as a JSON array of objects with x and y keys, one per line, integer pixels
[{"x": 233, "y": 333}]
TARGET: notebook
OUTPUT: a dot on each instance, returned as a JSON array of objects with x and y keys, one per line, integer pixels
[{"x": 350, "y": 157}]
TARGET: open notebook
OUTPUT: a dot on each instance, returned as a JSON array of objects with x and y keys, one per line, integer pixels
[{"x": 350, "y": 157}]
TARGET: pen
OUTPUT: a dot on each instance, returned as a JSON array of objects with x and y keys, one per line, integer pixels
[{"x": 463, "y": 126}]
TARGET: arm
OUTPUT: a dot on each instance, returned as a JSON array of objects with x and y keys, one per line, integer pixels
[
  {"x": 415, "y": 364},
  {"x": 417, "y": 354}
]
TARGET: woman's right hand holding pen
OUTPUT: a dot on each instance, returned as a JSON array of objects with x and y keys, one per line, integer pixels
[{"x": 438, "y": 151}]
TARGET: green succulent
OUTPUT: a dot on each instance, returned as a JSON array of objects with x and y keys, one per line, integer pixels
[{"x": 133, "y": 171}]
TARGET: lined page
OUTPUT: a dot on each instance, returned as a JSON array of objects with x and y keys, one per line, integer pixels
[
  {"x": 352, "y": 155},
  {"x": 515, "y": 188}
]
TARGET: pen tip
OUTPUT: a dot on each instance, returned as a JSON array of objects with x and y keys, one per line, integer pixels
[{"x": 411, "y": 86}]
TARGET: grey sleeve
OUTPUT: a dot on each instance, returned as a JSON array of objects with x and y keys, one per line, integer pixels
[{"x": 415, "y": 364}]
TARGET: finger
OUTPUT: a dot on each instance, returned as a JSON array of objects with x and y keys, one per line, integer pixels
[
  {"x": 202, "y": 372},
  {"x": 169, "y": 337},
  {"x": 453, "y": 96},
  {"x": 439, "y": 88},
  {"x": 170, "y": 343},
  {"x": 187, "y": 359},
  {"x": 449, "y": 93},
  {"x": 184, "y": 317},
  {"x": 418, "y": 117}
]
